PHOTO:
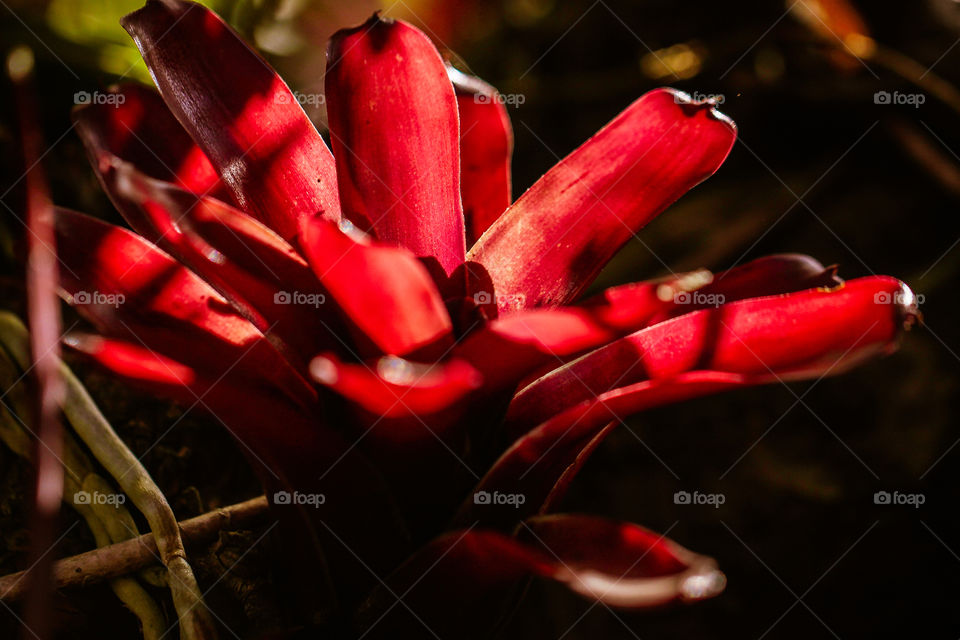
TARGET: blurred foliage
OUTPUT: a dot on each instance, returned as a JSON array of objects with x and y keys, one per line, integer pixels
[{"x": 94, "y": 25}]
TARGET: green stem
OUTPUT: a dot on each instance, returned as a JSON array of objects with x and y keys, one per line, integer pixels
[
  {"x": 77, "y": 466},
  {"x": 112, "y": 453}
]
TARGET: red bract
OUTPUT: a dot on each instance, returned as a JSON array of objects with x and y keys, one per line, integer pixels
[{"x": 326, "y": 310}]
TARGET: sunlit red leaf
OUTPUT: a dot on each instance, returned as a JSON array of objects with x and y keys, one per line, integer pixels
[
  {"x": 551, "y": 243},
  {"x": 383, "y": 290},
  {"x": 239, "y": 111},
  {"x": 133, "y": 124},
  {"x": 508, "y": 348},
  {"x": 393, "y": 387},
  {"x": 804, "y": 334},
  {"x": 255, "y": 269},
  {"x": 542, "y": 337},
  {"x": 131, "y": 290},
  {"x": 394, "y": 133},
  {"x": 135, "y": 362}
]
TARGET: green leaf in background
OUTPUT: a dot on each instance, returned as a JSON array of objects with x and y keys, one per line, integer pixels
[{"x": 96, "y": 24}]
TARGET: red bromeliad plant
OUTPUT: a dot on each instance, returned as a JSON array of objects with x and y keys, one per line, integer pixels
[{"x": 379, "y": 325}]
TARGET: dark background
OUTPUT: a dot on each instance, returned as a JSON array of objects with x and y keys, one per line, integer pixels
[{"x": 819, "y": 169}]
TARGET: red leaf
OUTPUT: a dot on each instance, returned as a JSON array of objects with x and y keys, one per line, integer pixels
[
  {"x": 756, "y": 341},
  {"x": 486, "y": 145},
  {"x": 394, "y": 132},
  {"x": 767, "y": 276},
  {"x": 618, "y": 564},
  {"x": 239, "y": 111},
  {"x": 784, "y": 337},
  {"x": 516, "y": 344},
  {"x": 136, "y": 126},
  {"x": 132, "y": 290},
  {"x": 137, "y": 363},
  {"x": 551, "y": 243},
  {"x": 250, "y": 265},
  {"x": 508, "y": 348},
  {"x": 384, "y": 291},
  {"x": 394, "y": 387},
  {"x": 622, "y": 564}
]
